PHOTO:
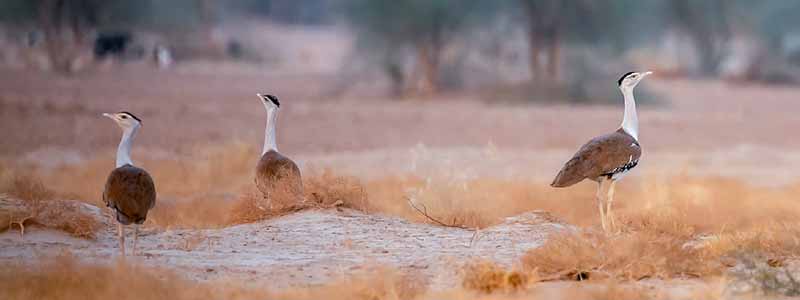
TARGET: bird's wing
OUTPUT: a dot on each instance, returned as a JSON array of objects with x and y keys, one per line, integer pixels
[
  {"x": 274, "y": 168},
  {"x": 601, "y": 156},
  {"x": 131, "y": 192}
]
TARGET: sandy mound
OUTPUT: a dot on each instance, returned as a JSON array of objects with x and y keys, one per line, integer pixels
[{"x": 304, "y": 248}]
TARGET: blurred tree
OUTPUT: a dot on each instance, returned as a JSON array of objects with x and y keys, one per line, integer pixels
[
  {"x": 64, "y": 24},
  {"x": 707, "y": 23},
  {"x": 207, "y": 14},
  {"x": 552, "y": 24},
  {"x": 422, "y": 26},
  {"x": 545, "y": 22}
]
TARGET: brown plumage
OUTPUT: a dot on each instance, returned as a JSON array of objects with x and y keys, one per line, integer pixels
[
  {"x": 130, "y": 193},
  {"x": 603, "y": 157},
  {"x": 276, "y": 172}
]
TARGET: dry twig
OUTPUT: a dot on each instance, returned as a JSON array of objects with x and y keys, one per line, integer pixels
[{"x": 424, "y": 212}]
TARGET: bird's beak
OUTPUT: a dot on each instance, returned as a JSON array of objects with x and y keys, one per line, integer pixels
[
  {"x": 107, "y": 115},
  {"x": 260, "y": 97},
  {"x": 646, "y": 73}
]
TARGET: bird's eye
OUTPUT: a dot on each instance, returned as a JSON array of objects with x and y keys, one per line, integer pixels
[{"x": 124, "y": 116}]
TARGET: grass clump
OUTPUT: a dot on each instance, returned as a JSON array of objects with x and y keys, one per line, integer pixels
[{"x": 488, "y": 277}]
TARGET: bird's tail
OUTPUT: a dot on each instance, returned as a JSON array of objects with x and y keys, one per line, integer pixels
[{"x": 562, "y": 180}]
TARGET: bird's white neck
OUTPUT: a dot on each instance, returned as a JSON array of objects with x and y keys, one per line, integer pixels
[
  {"x": 630, "y": 121},
  {"x": 124, "y": 149},
  {"x": 269, "y": 132}
]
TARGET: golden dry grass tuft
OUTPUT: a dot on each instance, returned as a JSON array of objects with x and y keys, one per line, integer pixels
[
  {"x": 488, "y": 277},
  {"x": 633, "y": 256},
  {"x": 251, "y": 206},
  {"x": 323, "y": 189},
  {"x": 652, "y": 252},
  {"x": 202, "y": 211},
  {"x": 327, "y": 189},
  {"x": 772, "y": 240},
  {"x": 68, "y": 216},
  {"x": 27, "y": 187},
  {"x": 31, "y": 202}
]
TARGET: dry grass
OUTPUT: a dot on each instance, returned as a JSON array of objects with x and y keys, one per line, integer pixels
[
  {"x": 323, "y": 189},
  {"x": 67, "y": 216},
  {"x": 212, "y": 190},
  {"x": 212, "y": 211},
  {"x": 679, "y": 206},
  {"x": 219, "y": 178},
  {"x": 327, "y": 189},
  {"x": 612, "y": 290},
  {"x": 488, "y": 277},
  {"x": 31, "y": 202},
  {"x": 661, "y": 219},
  {"x": 670, "y": 244},
  {"x": 252, "y": 206},
  {"x": 492, "y": 281},
  {"x": 632, "y": 256},
  {"x": 216, "y": 190},
  {"x": 65, "y": 277},
  {"x": 772, "y": 240},
  {"x": 27, "y": 187},
  {"x": 211, "y": 170}
]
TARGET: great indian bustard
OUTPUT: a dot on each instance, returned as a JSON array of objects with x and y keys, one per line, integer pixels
[
  {"x": 606, "y": 158},
  {"x": 276, "y": 175},
  {"x": 129, "y": 191}
]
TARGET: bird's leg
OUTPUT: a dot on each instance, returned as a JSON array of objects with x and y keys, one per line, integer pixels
[
  {"x": 600, "y": 203},
  {"x": 121, "y": 234},
  {"x": 609, "y": 200},
  {"x": 135, "y": 238}
]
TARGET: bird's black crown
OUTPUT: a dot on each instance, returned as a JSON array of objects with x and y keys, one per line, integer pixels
[
  {"x": 130, "y": 114},
  {"x": 619, "y": 82},
  {"x": 272, "y": 99}
]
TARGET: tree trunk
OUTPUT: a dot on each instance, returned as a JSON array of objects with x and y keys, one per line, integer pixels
[
  {"x": 708, "y": 32},
  {"x": 534, "y": 53},
  {"x": 426, "y": 70},
  {"x": 206, "y": 8},
  {"x": 63, "y": 23},
  {"x": 554, "y": 55},
  {"x": 50, "y": 15},
  {"x": 544, "y": 28}
]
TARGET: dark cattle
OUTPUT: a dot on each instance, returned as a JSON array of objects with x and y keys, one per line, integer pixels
[{"x": 107, "y": 44}]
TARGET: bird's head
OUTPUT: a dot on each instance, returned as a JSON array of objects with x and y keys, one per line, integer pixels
[
  {"x": 124, "y": 119},
  {"x": 631, "y": 79},
  {"x": 269, "y": 101}
]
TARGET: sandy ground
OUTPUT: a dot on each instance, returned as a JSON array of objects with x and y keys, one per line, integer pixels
[{"x": 306, "y": 248}]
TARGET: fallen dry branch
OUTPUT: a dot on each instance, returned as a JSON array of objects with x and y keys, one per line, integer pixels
[{"x": 424, "y": 212}]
